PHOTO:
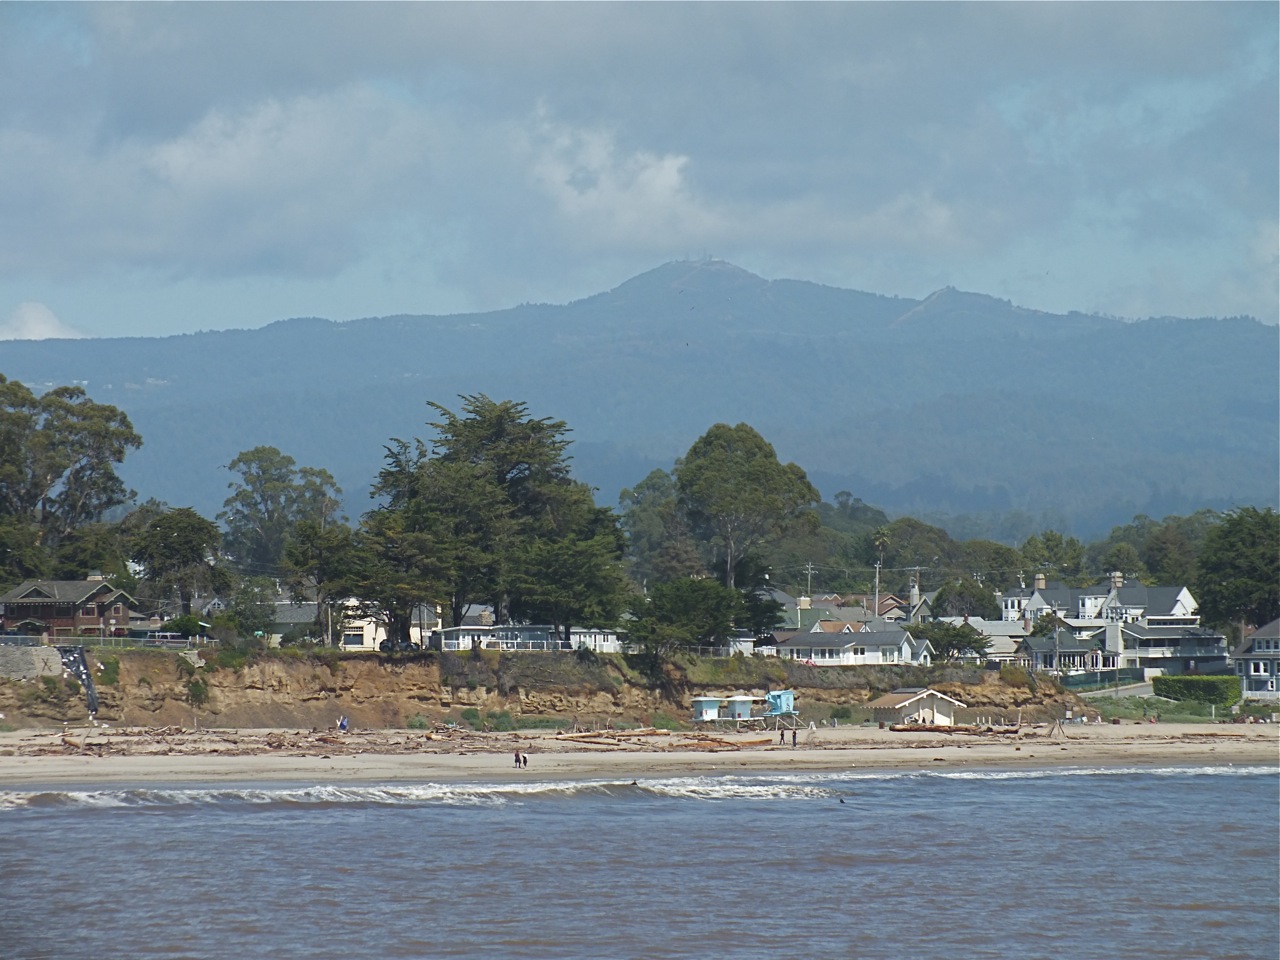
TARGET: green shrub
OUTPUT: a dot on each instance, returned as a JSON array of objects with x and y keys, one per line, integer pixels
[
  {"x": 1220, "y": 690},
  {"x": 841, "y": 713},
  {"x": 1012, "y": 675},
  {"x": 230, "y": 658},
  {"x": 52, "y": 686},
  {"x": 109, "y": 675},
  {"x": 471, "y": 715},
  {"x": 197, "y": 692},
  {"x": 417, "y": 722},
  {"x": 500, "y": 720},
  {"x": 664, "y": 721}
]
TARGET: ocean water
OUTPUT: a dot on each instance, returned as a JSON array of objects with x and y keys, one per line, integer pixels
[{"x": 1074, "y": 863}]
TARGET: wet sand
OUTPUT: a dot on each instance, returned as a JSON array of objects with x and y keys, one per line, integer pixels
[{"x": 93, "y": 756}]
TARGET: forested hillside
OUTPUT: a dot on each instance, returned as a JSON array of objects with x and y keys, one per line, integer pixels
[{"x": 997, "y": 420}]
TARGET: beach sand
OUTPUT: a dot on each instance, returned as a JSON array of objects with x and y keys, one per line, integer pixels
[{"x": 79, "y": 756}]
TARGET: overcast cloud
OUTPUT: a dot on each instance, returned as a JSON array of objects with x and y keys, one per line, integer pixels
[{"x": 173, "y": 167}]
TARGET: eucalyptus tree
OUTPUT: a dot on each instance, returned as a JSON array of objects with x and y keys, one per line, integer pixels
[
  {"x": 270, "y": 496},
  {"x": 58, "y": 456},
  {"x": 736, "y": 494}
]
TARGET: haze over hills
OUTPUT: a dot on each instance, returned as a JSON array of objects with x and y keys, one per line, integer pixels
[{"x": 957, "y": 404}]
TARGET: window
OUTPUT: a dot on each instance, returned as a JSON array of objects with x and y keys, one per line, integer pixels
[
  {"x": 353, "y": 639},
  {"x": 117, "y": 610},
  {"x": 88, "y": 610},
  {"x": 1259, "y": 668}
]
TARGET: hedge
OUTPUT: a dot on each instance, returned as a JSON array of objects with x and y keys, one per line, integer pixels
[{"x": 1222, "y": 690}]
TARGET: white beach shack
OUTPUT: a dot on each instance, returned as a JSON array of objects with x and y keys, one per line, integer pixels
[{"x": 915, "y": 705}]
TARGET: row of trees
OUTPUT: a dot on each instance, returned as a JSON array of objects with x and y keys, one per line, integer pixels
[{"x": 486, "y": 511}]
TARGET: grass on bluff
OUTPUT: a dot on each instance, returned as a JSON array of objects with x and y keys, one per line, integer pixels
[{"x": 1168, "y": 711}]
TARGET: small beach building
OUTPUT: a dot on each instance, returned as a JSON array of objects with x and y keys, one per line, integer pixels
[
  {"x": 706, "y": 708},
  {"x": 915, "y": 705}
]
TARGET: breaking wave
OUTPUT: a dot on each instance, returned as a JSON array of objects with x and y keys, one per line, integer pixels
[{"x": 764, "y": 788}]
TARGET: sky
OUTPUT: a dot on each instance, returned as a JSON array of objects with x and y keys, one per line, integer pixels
[{"x": 169, "y": 168}]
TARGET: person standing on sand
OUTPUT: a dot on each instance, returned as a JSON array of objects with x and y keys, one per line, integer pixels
[
  {"x": 525, "y": 760},
  {"x": 794, "y": 738},
  {"x": 518, "y": 758}
]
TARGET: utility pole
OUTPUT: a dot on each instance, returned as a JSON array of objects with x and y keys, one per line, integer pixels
[
  {"x": 876, "y": 611},
  {"x": 808, "y": 567}
]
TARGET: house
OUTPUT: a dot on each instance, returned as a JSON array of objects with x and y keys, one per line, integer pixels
[
  {"x": 1157, "y": 649},
  {"x": 915, "y": 705},
  {"x": 63, "y": 609},
  {"x": 1002, "y": 636},
  {"x": 1258, "y": 663},
  {"x": 1061, "y": 652},
  {"x": 1112, "y": 600},
  {"x": 860, "y": 646},
  {"x": 367, "y": 633}
]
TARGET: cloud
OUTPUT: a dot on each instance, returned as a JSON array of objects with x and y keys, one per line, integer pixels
[
  {"x": 35, "y": 321},
  {"x": 483, "y": 154}
]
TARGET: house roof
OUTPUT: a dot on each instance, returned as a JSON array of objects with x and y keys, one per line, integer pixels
[
  {"x": 289, "y": 612},
  {"x": 61, "y": 591},
  {"x": 834, "y": 641},
  {"x": 1061, "y": 641},
  {"x": 905, "y": 697},
  {"x": 1268, "y": 631}
]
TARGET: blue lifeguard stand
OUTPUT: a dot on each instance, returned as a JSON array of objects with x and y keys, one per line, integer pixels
[{"x": 782, "y": 703}]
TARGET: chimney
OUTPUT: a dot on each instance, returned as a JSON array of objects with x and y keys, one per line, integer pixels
[
  {"x": 1117, "y": 580},
  {"x": 1040, "y": 581}
]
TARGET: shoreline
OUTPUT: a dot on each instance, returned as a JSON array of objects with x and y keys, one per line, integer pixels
[{"x": 89, "y": 758}]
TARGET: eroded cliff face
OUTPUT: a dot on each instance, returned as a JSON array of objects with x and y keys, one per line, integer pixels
[{"x": 144, "y": 688}]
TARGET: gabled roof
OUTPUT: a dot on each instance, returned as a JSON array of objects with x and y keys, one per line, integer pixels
[
  {"x": 902, "y": 698},
  {"x": 62, "y": 591},
  {"x": 833, "y": 641},
  {"x": 1061, "y": 641},
  {"x": 1268, "y": 631}
]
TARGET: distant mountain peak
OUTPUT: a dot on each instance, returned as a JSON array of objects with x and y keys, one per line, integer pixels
[{"x": 700, "y": 276}]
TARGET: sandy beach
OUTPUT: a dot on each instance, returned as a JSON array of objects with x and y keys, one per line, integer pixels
[{"x": 80, "y": 756}]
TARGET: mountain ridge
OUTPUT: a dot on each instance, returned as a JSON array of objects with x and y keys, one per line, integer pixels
[{"x": 959, "y": 403}]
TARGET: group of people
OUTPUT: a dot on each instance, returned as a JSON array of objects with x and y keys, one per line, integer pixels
[
  {"x": 522, "y": 760},
  {"x": 782, "y": 738}
]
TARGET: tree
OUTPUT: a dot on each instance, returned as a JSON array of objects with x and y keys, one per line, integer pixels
[
  {"x": 735, "y": 493},
  {"x": 1051, "y": 551},
  {"x": 271, "y": 496},
  {"x": 570, "y": 581},
  {"x": 1239, "y": 579},
  {"x": 58, "y": 455},
  {"x": 966, "y": 597},
  {"x": 659, "y": 545},
  {"x": 317, "y": 561},
  {"x": 687, "y": 612},
  {"x": 178, "y": 551},
  {"x": 951, "y": 640},
  {"x": 253, "y": 608},
  {"x": 1124, "y": 558}
]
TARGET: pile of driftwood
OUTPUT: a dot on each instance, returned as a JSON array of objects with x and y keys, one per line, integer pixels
[
  {"x": 650, "y": 738},
  {"x": 171, "y": 740}
]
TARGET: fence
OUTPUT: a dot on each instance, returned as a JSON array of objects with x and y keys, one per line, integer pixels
[
  {"x": 1102, "y": 678},
  {"x": 18, "y": 640}
]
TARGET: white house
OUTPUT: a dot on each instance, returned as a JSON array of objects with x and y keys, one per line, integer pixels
[
  {"x": 915, "y": 705},
  {"x": 862, "y": 646}
]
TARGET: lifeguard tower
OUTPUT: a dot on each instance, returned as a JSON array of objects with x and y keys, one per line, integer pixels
[{"x": 775, "y": 710}]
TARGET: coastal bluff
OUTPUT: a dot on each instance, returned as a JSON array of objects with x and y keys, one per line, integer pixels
[{"x": 312, "y": 688}]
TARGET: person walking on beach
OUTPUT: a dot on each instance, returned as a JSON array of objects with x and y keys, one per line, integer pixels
[
  {"x": 782, "y": 738},
  {"x": 794, "y": 738},
  {"x": 524, "y": 759},
  {"x": 518, "y": 759}
]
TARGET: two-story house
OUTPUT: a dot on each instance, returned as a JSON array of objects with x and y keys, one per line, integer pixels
[
  {"x": 1258, "y": 663},
  {"x": 66, "y": 609}
]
